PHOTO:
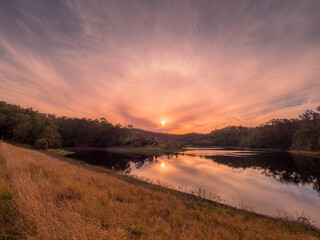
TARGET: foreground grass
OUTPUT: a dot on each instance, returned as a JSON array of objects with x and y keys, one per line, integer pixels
[
  {"x": 147, "y": 150},
  {"x": 22, "y": 145},
  {"x": 55, "y": 199},
  {"x": 8, "y": 229}
]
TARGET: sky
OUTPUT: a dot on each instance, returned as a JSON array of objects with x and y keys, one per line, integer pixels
[{"x": 196, "y": 65}]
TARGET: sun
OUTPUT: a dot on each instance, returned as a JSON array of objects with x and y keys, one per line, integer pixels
[{"x": 163, "y": 122}]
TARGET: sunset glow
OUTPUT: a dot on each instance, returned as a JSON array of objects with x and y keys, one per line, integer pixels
[
  {"x": 206, "y": 65},
  {"x": 149, "y": 107}
]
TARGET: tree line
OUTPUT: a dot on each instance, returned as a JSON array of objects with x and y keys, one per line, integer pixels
[
  {"x": 302, "y": 133},
  {"x": 25, "y": 125}
]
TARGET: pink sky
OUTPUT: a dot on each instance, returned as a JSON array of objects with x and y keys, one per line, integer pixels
[{"x": 196, "y": 65}]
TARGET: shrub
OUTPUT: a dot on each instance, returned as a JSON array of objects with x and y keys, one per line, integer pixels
[{"x": 41, "y": 144}]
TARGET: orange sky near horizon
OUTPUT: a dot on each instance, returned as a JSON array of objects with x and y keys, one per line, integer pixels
[{"x": 196, "y": 65}]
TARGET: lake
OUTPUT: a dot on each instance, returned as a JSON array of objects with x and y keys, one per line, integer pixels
[{"x": 273, "y": 183}]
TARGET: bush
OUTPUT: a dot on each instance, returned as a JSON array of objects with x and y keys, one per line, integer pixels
[
  {"x": 56, "y": 143},
  {"x": 41, "y": 144}
]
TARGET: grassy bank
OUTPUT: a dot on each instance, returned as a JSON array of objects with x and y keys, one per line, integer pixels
[
  {"x": 147, "y": 150},
  {"x": 158, "y": 150},
  {"x": 8, "y": 211},
  {"x": 56, "y": 199},
  {"x": 297, "y": 152},
  {"x": 305, "y": 153}
]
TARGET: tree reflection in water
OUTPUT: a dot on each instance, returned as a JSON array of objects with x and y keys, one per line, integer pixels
[
  {"x": 283, "y": 166},
  {"x": 114, "y": 161}
]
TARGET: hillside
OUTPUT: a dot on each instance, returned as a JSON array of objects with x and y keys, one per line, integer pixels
[
  {"x": 187, "y": 138},
  {"x": 44, "y": 197}
]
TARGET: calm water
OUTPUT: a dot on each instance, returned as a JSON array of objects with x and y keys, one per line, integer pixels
[{"x": 271, "y": 183}]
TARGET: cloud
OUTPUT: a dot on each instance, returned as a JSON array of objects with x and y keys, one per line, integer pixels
[{"x": 198, "y": 65}]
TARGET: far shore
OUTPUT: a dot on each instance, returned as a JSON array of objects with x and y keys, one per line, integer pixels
[
  {"x": 292, "y": 151},
  {"x": 143, "y": 150},
  {"x": 158, "y": 149},
  {"x": 148, "y": 150}
]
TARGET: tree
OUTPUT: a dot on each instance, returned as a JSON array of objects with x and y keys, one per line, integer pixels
[
  {"x": 52, "y": 136},
  {"x": 307, "y": 137},
  {"x": 41, "y": 144},
  {"x": 22, "y": 127}
]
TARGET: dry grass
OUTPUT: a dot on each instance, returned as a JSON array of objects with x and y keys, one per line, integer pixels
[
  {"x": 57, "y": 200},
  {"x": 7, "y": 205}
]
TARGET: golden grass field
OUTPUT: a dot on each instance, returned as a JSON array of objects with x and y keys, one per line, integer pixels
[{"x": 44, "y": 197}]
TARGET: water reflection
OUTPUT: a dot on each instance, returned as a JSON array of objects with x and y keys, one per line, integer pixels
[
  {"x": 283, "y": 166},
  {"x": 268, "y": 182},
  {"x": 113, "y": 160}
]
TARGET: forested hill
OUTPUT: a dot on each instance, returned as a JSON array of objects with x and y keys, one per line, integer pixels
[
  {"x": 186, "y": 139},
  {"x": 25, "y": 125},
  {"x": 302, "y": 133},
  {"x": 22, "y": 125}
]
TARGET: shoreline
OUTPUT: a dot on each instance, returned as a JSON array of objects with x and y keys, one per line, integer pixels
[
  {"x": 303, "y": 222},
  {"x": 73, "y": 188},
  {"x": 145, "y": 150},
  {"x": 158, "y": 150},
  {"x": 292, "y": 151},
  {"x": 185, "y": 195}
]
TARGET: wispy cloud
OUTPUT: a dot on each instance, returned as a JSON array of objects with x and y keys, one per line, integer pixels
[{"x": 198, "y": 65}]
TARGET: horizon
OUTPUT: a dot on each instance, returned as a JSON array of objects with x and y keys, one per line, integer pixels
[
  {"x": 135, "y": 128},
  {"x": 168, "y": 67}
]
